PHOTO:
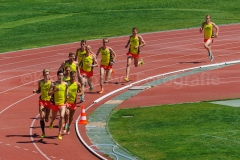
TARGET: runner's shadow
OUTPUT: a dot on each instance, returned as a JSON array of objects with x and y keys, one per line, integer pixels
[
  {"x": 45, "y": 127},
  {"x": 193, "y": 62},
  {"x": 34, "y": 136},
  {"x": 111, "y": 82}
]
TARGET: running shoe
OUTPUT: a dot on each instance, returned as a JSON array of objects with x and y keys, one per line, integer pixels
[
  {"x": 43, "y": 135},
  {"x": 112, "y": 71},
  {"x": 209, "y": 54},
  {"x": 212, "y": 58},
  {"x": 46, "y": 120},
  {"x": 90, "y": 89},
  {"x": 82, "y": 98},
  {"x": 100, "y": 92},
  {"x": 127, "y": 79},
  {"x": 65, "y": 128},
  {"x": 59, "y": 136},
  {"x": 142, "y": 62},
  {"x": 68, "y": 130},
  {"x": 51, "y": 125},
  {"x": 85, "y": 84}
]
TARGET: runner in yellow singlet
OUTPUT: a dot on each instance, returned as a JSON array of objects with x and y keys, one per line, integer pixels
[
  {"x": 86, "y": 70},
  {"x": 81, "y": 51},
  {"x": 208, "y": 28},
  {"x": 135, "y": 41},
  {"x": 74, "y": 88},
  {"x": 44, "y": 102},
  {"x": 60, "y": 92},
  {"x": 108, "y": 57},
  {"x": 70, "y": 62}
]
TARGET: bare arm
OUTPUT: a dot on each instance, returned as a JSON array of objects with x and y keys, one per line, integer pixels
[
  {"x": 39, "y": 88},
  {"x": 76, "y": 55},
  {"x": 95, "y": 62},
  {"x": 128, "y": 42},
  {"x": 62, "y": 66},
  {"x": 98, "y": 52},
  {"x": 80, "y": 88},
  {"x": 113, "y": 54},
  {"x": 52, "y": 89},
  {"x": 217, "y": 29},
  {"x": 201, "y": 28},
  {"x": 142, "y": 42}
]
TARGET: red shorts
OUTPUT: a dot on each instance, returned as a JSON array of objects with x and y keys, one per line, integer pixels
[
  {"x": 205, "y": 40},
  {"x": 106, "y": 67},
  {"x": 56, "y": 108},
  {"x": 46, "y": 104},
  {"x": 135, "y": 56},
  {"x": 86, "y": 74},
  {"x": 72, "y": 106}
]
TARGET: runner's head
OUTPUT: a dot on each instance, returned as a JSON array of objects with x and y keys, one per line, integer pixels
[
  {"x": 208, "y": 18},
  {"x": 83, "y": 43},
  {"x": 105, "y": 41},
  {"x": 72, "y": 75},
  {"x": 60, "y": 75},
  {"x": 134, "y": 30},
  {"x": 71, "y": 56},
  {"x": 67, "y": 70},
  {"x": 87, "y": 48},
  {"x": 46, "y": 73}
]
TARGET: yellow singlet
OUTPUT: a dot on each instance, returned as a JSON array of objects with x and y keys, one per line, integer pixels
[
  {"x": 73, "y": 66},
  {"x": 45, "y": 87},
  {"x": 80, "y": 55},
  {"x": 105, "y": 53},
  {"x": 60, "y": 96},
  {"x": 134, "y": 41},
  {"x": 87, "y": 60},
  {"x": 72, "y": 92},
  {"x": 208, "y": 30}
]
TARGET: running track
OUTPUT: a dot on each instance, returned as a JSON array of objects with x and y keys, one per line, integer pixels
[{"x": 164, "y": 52}]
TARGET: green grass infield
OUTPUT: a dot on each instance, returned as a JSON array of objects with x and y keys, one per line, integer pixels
[{"x": 196, "y": 131}]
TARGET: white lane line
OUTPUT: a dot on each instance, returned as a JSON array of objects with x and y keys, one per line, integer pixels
[
  {"x": 16, "y": 103},
  {"x": 32, "y": 139}
]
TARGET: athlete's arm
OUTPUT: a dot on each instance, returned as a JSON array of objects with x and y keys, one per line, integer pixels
[
  {"x": 39, "y": 88},
  {"x": 142, "y": 42},
  {"x": 98, "y": 52},
  {"x": 217, "y": 29},
  {"x": 113, "y": 54},
  {"x": 53, "y": 89},
  {"x": 80, "y": 88},
  {"x": 128, "y": 42},
  {"x": 66, "y": 90},
  {"x": 201, "y": 28},
  {"x": 62, "y": 66},
  {"x": 76, "y": 55},
  {"x": 95, "y": 64}
]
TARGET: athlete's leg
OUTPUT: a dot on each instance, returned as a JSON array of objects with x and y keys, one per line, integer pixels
[
  {"x": 108, "y": 75},
  {"x": 54, "y": 115},
  {"x": 129, "y": 61},
  {"x": 90, "y": 83},
  {"x": 101, "y": 77},
  {"x": 62, "y": 111},
  {"x": 42, "y": 116},
  {"x": 70, "y": 118},
  {"x": 207, "y": 45},
  {"x": 47, "y": 116},
  {"x": 66, "y": 118}
]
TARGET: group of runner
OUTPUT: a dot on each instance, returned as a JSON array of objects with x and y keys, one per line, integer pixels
[{"x": 76, "y": 73}]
